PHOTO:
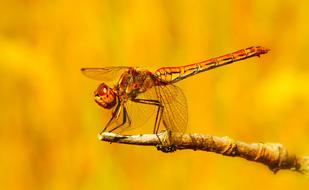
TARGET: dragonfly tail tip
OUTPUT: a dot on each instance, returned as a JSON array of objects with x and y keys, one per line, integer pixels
[
  {"x": 261, "y": 50},
  {"x": 264, "y": 50}
]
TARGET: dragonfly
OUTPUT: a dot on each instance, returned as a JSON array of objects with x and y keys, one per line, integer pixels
[{"x": 138, "y": 86}]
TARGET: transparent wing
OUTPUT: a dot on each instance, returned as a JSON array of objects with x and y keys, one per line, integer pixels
[
  {"x": 104, "y": 74},
  {"x": 143, "y": 115},
  {"x": 175, "y": 113},
  {"x": 138, "y": 114}
]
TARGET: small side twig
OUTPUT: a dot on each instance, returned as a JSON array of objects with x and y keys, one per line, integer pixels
[{"x": 273, "y": 155}]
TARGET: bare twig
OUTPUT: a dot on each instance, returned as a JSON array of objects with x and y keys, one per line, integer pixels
[{"x": 273, "y": 155}]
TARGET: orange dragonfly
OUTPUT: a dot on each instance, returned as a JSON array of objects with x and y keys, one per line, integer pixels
[{"x": 154, "y": 89}]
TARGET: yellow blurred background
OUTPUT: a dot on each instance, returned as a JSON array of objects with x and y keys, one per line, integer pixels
[{"x": 49, "y": 121}]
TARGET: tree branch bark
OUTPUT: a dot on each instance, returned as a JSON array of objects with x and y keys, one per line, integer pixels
[{"x": 273, "y": 155}]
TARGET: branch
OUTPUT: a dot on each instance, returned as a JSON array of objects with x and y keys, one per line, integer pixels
[{"x": 273, "y": 155}]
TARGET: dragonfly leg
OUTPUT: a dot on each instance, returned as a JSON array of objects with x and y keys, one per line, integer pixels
[
  {"x": 159, "y": 112},
  {"x": 158, "y": 119},
  {"x": 127, "y": 117},
  {"x": 107, "y": 125},
  {"x": 124, "y": 120},
  {"x": 115, "y": 114},
  {"x": 163, "y": 146},
  {"x": 145, "y": 101},
  {"x": 125, "y": 112}
]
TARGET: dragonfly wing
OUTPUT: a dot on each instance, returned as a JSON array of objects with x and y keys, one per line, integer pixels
[
  {"x": 174, "y": 118},
  {"x": 133, "y": 115},
  {"x": 175, "y": 114},
  {"x": 141, "y": 113},
  {"x": 104, "y": 74}
]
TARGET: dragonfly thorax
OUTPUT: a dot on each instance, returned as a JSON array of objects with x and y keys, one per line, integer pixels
[
  {"x": 105, "y": 96},
  {"x": 133, "y": 82}
]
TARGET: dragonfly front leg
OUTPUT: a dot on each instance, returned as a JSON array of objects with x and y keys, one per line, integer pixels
[
  {"x": 115, "y": 115},
  {"x": 124, "y": 120}
]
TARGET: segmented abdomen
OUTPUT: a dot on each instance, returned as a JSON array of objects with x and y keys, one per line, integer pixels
[{"x": 174, "y": 74}]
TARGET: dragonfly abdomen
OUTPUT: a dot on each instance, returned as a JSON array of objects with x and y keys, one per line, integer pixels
[{"x": 174, "y": 74}]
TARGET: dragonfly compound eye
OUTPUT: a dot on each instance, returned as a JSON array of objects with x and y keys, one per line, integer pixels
[{"x": 105, "y": 96}]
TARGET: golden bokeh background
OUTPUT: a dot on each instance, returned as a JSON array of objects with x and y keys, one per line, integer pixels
[{"x": 49, "y": 121}]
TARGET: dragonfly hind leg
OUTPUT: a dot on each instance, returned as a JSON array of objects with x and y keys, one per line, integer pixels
[
  {"x": 159, "y": 111},
  {"x": 164, "y": 144}
]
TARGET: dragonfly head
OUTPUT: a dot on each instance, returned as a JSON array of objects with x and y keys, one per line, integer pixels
[{"x": 105, "y": 96}]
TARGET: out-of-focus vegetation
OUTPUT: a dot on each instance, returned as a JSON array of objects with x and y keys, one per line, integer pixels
[{"x": 49, "y": 122}]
